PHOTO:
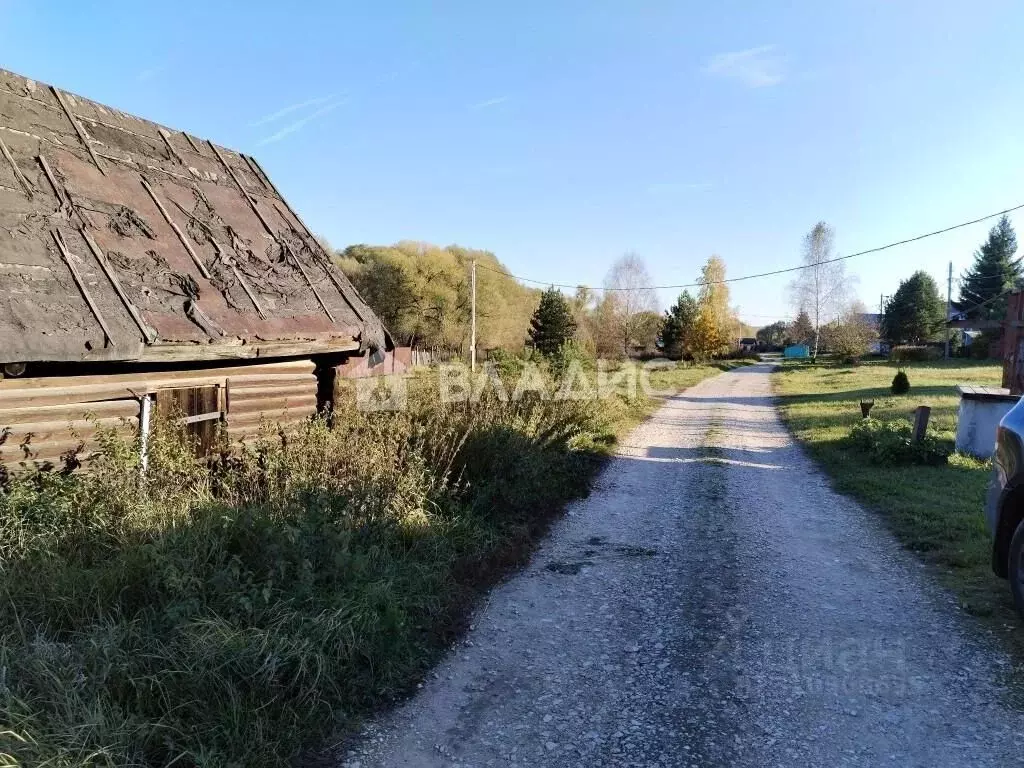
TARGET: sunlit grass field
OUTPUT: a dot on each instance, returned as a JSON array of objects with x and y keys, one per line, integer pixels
[{"x": 935, "y": 511}]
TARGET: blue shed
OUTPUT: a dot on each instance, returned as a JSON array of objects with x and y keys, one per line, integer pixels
[{"x": 797, "y": 350}]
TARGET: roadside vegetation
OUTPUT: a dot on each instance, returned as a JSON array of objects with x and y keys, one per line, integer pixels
[
  {"x": 934, "y": 508},
  {"x": 239, "y": 613}
]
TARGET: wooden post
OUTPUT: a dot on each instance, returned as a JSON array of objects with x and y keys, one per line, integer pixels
[
  {"x": 949, "y": 305},
  {"x": 472, "y": 331},
  {"x": 1013, "y": 344},
  {"x": 921, "y": 416}
]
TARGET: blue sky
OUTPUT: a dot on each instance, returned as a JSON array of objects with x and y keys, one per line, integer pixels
[{"x": 561, "y": 134}]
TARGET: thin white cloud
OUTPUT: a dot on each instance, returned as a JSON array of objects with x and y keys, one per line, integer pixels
[
  {"x": 285, "y": 111},
  {"x": 298, "y": 125},
  {"x": 148, "y": 74},
  {"x": 490, "y": 102},
  {"x": 760, "y": 67}
]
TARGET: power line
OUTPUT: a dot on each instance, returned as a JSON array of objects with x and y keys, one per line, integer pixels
[
  {"x": 983, "y": 276},
  {"x": 773, "y": 272},
  {"x": 989, "y": 300}
]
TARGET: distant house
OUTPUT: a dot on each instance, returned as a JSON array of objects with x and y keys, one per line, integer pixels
[{"x": 971, "y": 328}]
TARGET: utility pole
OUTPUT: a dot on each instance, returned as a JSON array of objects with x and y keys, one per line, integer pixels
[
  {"x": 472, "y": 325},
  {"x": 949, "y": 304},
  {"x": 881, "y": 319}
]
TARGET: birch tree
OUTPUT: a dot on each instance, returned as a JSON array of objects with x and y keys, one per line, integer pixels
[
  {"x": 714, "y": 317},
  {"x": 629, "y": 283},
  {"x": 820, "y": 288}
]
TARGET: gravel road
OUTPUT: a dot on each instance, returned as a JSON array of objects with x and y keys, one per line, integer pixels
[{"x": 712, "y": 603}]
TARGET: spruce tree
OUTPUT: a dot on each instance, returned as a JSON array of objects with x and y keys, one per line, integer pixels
[
  {"x": 995, "y": 272},
  {"x": 801, "y": 331},
  {"x": 677, "y": 326},
  {"x": 552, "y": 324},
  {"x": 916, "y": 312}
]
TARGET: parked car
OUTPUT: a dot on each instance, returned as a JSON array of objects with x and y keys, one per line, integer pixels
[{"x": 1004, "y": 507}]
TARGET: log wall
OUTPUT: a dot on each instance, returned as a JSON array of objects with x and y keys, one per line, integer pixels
[{"x": 43, "y": 420}]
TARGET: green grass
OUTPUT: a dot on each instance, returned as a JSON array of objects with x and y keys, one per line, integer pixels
[
  {"x": 935, "y": 511},
  {"x": 239, "y": 614}
]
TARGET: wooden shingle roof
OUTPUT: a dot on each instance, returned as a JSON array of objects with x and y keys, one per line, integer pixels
[{"x": 121, "y": 239}]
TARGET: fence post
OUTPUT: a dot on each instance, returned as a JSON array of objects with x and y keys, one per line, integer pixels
[
  {"x": 144, "y": 424},
  {"x": 921, "y": 422}
]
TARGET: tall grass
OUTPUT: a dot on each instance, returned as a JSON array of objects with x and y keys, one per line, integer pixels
[{"x": 233, "y": 615}]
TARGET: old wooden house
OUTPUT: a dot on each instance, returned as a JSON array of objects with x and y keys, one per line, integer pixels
[{"x": 141, "y": 265}]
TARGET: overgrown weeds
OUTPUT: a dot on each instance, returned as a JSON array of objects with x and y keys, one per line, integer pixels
[
  {"x": 231, "y": 615},
  {"x": 892, "y": 442},
  {"x": 235, "y": 613}
]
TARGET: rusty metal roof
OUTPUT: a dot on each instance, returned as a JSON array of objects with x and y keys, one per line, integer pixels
[{"x": 124, "y": 240}]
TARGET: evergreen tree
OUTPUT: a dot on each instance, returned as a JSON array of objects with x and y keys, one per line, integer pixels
[
  {"x": 801, "y": 331},
  {"x": 552, "y": 324},
  {"x": 677, "y": 326},
  {"x": 916, "y": 312},
  {"x": 995, "y": 271}
]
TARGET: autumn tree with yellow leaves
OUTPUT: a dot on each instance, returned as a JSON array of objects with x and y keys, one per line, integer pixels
[{"x": 712, "y": 331}]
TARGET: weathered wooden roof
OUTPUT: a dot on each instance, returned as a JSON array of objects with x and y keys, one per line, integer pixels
[{"x": 124, "y": 240}]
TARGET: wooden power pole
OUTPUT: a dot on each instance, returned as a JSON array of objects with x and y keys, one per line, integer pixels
[{"x": 949, "y": 304}]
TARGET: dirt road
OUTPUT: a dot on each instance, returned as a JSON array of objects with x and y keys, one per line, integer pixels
[{"x": 713, "y": 603}]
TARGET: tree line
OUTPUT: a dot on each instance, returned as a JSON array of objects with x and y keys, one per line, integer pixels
[
  {"x": 828, "y": 318},
  {"x": 422, "y": 294},
  {"x": 916, "y": 312}
]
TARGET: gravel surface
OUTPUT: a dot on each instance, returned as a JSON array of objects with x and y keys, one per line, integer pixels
[{"x": 712, "y": 603}]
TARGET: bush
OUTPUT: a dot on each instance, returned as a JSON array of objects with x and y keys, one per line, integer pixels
[
  {"x": 981, "y": 346},
  {"x": 908, "y": 354},
  {"x": 890, "y": 442},
  {"x": 849, "y": 337},
  {"x": 569, "y": 353},
  {"x": 900, "y": 383},
  {"x": 234, "y": 615},
  {"x": 977, "y": 350},
  {"x": 509, "y": 365}
]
